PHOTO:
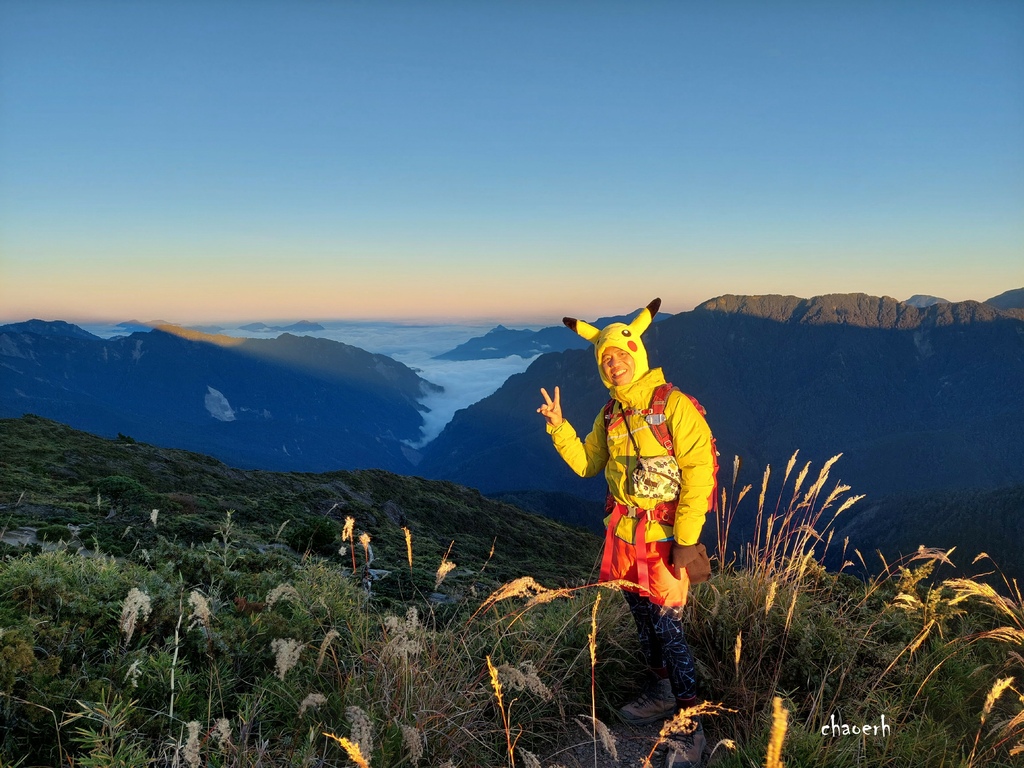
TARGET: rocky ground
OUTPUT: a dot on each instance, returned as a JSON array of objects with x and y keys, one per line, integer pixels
[{"x": 632, "y": 744}]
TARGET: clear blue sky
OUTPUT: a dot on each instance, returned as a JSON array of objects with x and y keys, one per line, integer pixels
[{"x": 255, "y": 159}]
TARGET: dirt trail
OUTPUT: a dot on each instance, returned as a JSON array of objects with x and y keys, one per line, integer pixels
[{"x": 632, "y": 745}]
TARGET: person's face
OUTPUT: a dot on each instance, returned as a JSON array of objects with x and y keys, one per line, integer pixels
[{"x": 617, "y": 366}]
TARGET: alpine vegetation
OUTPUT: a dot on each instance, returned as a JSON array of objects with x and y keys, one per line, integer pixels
[{"x": 204, "y": 641}]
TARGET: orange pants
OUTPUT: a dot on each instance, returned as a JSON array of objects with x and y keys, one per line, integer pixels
[{"x": 653, "y": 574}]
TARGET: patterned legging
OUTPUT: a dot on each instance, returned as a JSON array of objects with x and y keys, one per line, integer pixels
[{"x": 663, "y": 642}]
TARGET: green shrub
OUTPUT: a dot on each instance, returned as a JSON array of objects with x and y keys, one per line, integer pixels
[
  {"x": 53, "y": 533},
  {"x": 120, "y": 491},
  {"x": 319, "y": 535}
]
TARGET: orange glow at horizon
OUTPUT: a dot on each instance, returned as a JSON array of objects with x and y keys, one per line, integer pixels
[{"x": 408, "y": 294}]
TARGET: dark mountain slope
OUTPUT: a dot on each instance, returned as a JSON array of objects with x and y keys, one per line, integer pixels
[
  {"x": 914, "y": 399},
  {"x": 286, "y": 403},
  {"x": 973, "y": 521}
]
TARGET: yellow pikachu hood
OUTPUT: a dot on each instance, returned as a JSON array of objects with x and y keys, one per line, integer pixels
[{"x": 620, "y": 335}]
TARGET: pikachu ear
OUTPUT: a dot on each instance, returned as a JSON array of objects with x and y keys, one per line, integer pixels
[
  {"x": 583, "y": 328},
  {"x": 642, "y": 321}
]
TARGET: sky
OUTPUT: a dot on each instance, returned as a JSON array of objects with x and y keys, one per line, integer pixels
[{"x": 220, "y": 161}]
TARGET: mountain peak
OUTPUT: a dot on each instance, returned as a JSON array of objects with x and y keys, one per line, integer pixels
[
  {"x": 49, "y": 328},
  {"x": 921, "y": 300},
  {"x": 1008, "y": 299}
]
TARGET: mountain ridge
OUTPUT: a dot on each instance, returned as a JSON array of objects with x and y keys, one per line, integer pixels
[
  {"x": 914, "y": 399},
  {"x": 856, "y": 309}
]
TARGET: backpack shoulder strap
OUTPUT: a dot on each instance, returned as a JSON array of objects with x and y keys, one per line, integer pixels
[
  {"x": 656, "y": 416},
  {"x": 609, "y": 407}
]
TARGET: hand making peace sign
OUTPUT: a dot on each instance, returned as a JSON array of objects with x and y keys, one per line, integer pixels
[{"x": 552, "y": 409}]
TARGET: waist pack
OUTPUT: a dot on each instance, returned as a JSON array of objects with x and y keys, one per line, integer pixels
[{"x": 656, "y": 477}]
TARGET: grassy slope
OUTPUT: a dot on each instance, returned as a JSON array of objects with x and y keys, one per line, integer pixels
[
  {"x": 187, "y": 675},
  {"x": 49, "y": 474}
]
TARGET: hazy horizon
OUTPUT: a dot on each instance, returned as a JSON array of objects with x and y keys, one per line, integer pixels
[{"x": 514, "y": 322}]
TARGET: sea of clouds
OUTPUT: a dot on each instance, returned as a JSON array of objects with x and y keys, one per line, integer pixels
[{"x": 464, "y": 381}]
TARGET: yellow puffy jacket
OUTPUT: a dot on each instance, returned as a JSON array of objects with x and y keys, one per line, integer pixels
[{"x": 612, "y": 451}]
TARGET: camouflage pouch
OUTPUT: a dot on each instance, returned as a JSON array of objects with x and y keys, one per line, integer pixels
[{"x": 656, "y": 477}]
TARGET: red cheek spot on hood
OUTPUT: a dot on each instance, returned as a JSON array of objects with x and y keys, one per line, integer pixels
[{"x": 632, "y": 346}]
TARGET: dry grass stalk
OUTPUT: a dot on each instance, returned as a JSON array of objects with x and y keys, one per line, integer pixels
[
  {"x": 780, "y": 719},
  {"x": 527, "y": 585},
  {"x": 222, "y": 733},
  {"x": 403, "y": 636},
  {"x": 838, "y": 491},
  {"x": 547, "y": 596},
  {"x": 408, "y": 545},
  {"x": 362, "y": 730},
  {"x": 201, "y": 614},
  {"x": 364, "y": 539},
  {"x": 496, "y": 685},
  {"x": 353, "y": 751},
  {"x": 137, "y": 602},
  {"x": 446, "y": 567},
  {"x": 329, "y": 638},
  {"x": 799, "y": 483},
  {"x": 494, "y": 543},
  {"x": 524, "y": 585},
  {"x": 684, "y": 722},
  {"x": 764, "y": 487},
  {"x": 789, "y": 613},
  {"x": 530, "y": 760},
  {"x": 967, "y": 588},
  {"x": 348, "y": 534},
  {"x": 412, "y": 740},
  {"x": 998, "y": 687},
  {"x": 600, "y": 732},
  {"x": 592, "y": 645},
  {"x": 524, "y": 678},
  {"x": 770, "y": 600},
  {"x": 738, "y": 651},
  {"x": 284, "y": 592},
  {"x": 312, "y": 701},
  {"x": 789, "y": 466},
  {"x": 286, "y": 653},
  {"x": 191, "y": 753}
]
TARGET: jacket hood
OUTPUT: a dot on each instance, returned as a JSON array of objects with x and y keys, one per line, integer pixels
[{"x": 621, "y": 335}]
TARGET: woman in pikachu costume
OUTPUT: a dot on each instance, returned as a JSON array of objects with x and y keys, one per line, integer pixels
[{"x": 649, "y": 543}]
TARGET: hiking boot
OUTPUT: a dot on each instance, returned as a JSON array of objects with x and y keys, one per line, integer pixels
[
  {"x": 655, "y": 702},
  {"x": 686, "y": 751}
]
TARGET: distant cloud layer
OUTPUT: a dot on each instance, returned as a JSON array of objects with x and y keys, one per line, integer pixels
[{"x": 465, "y": 382}]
